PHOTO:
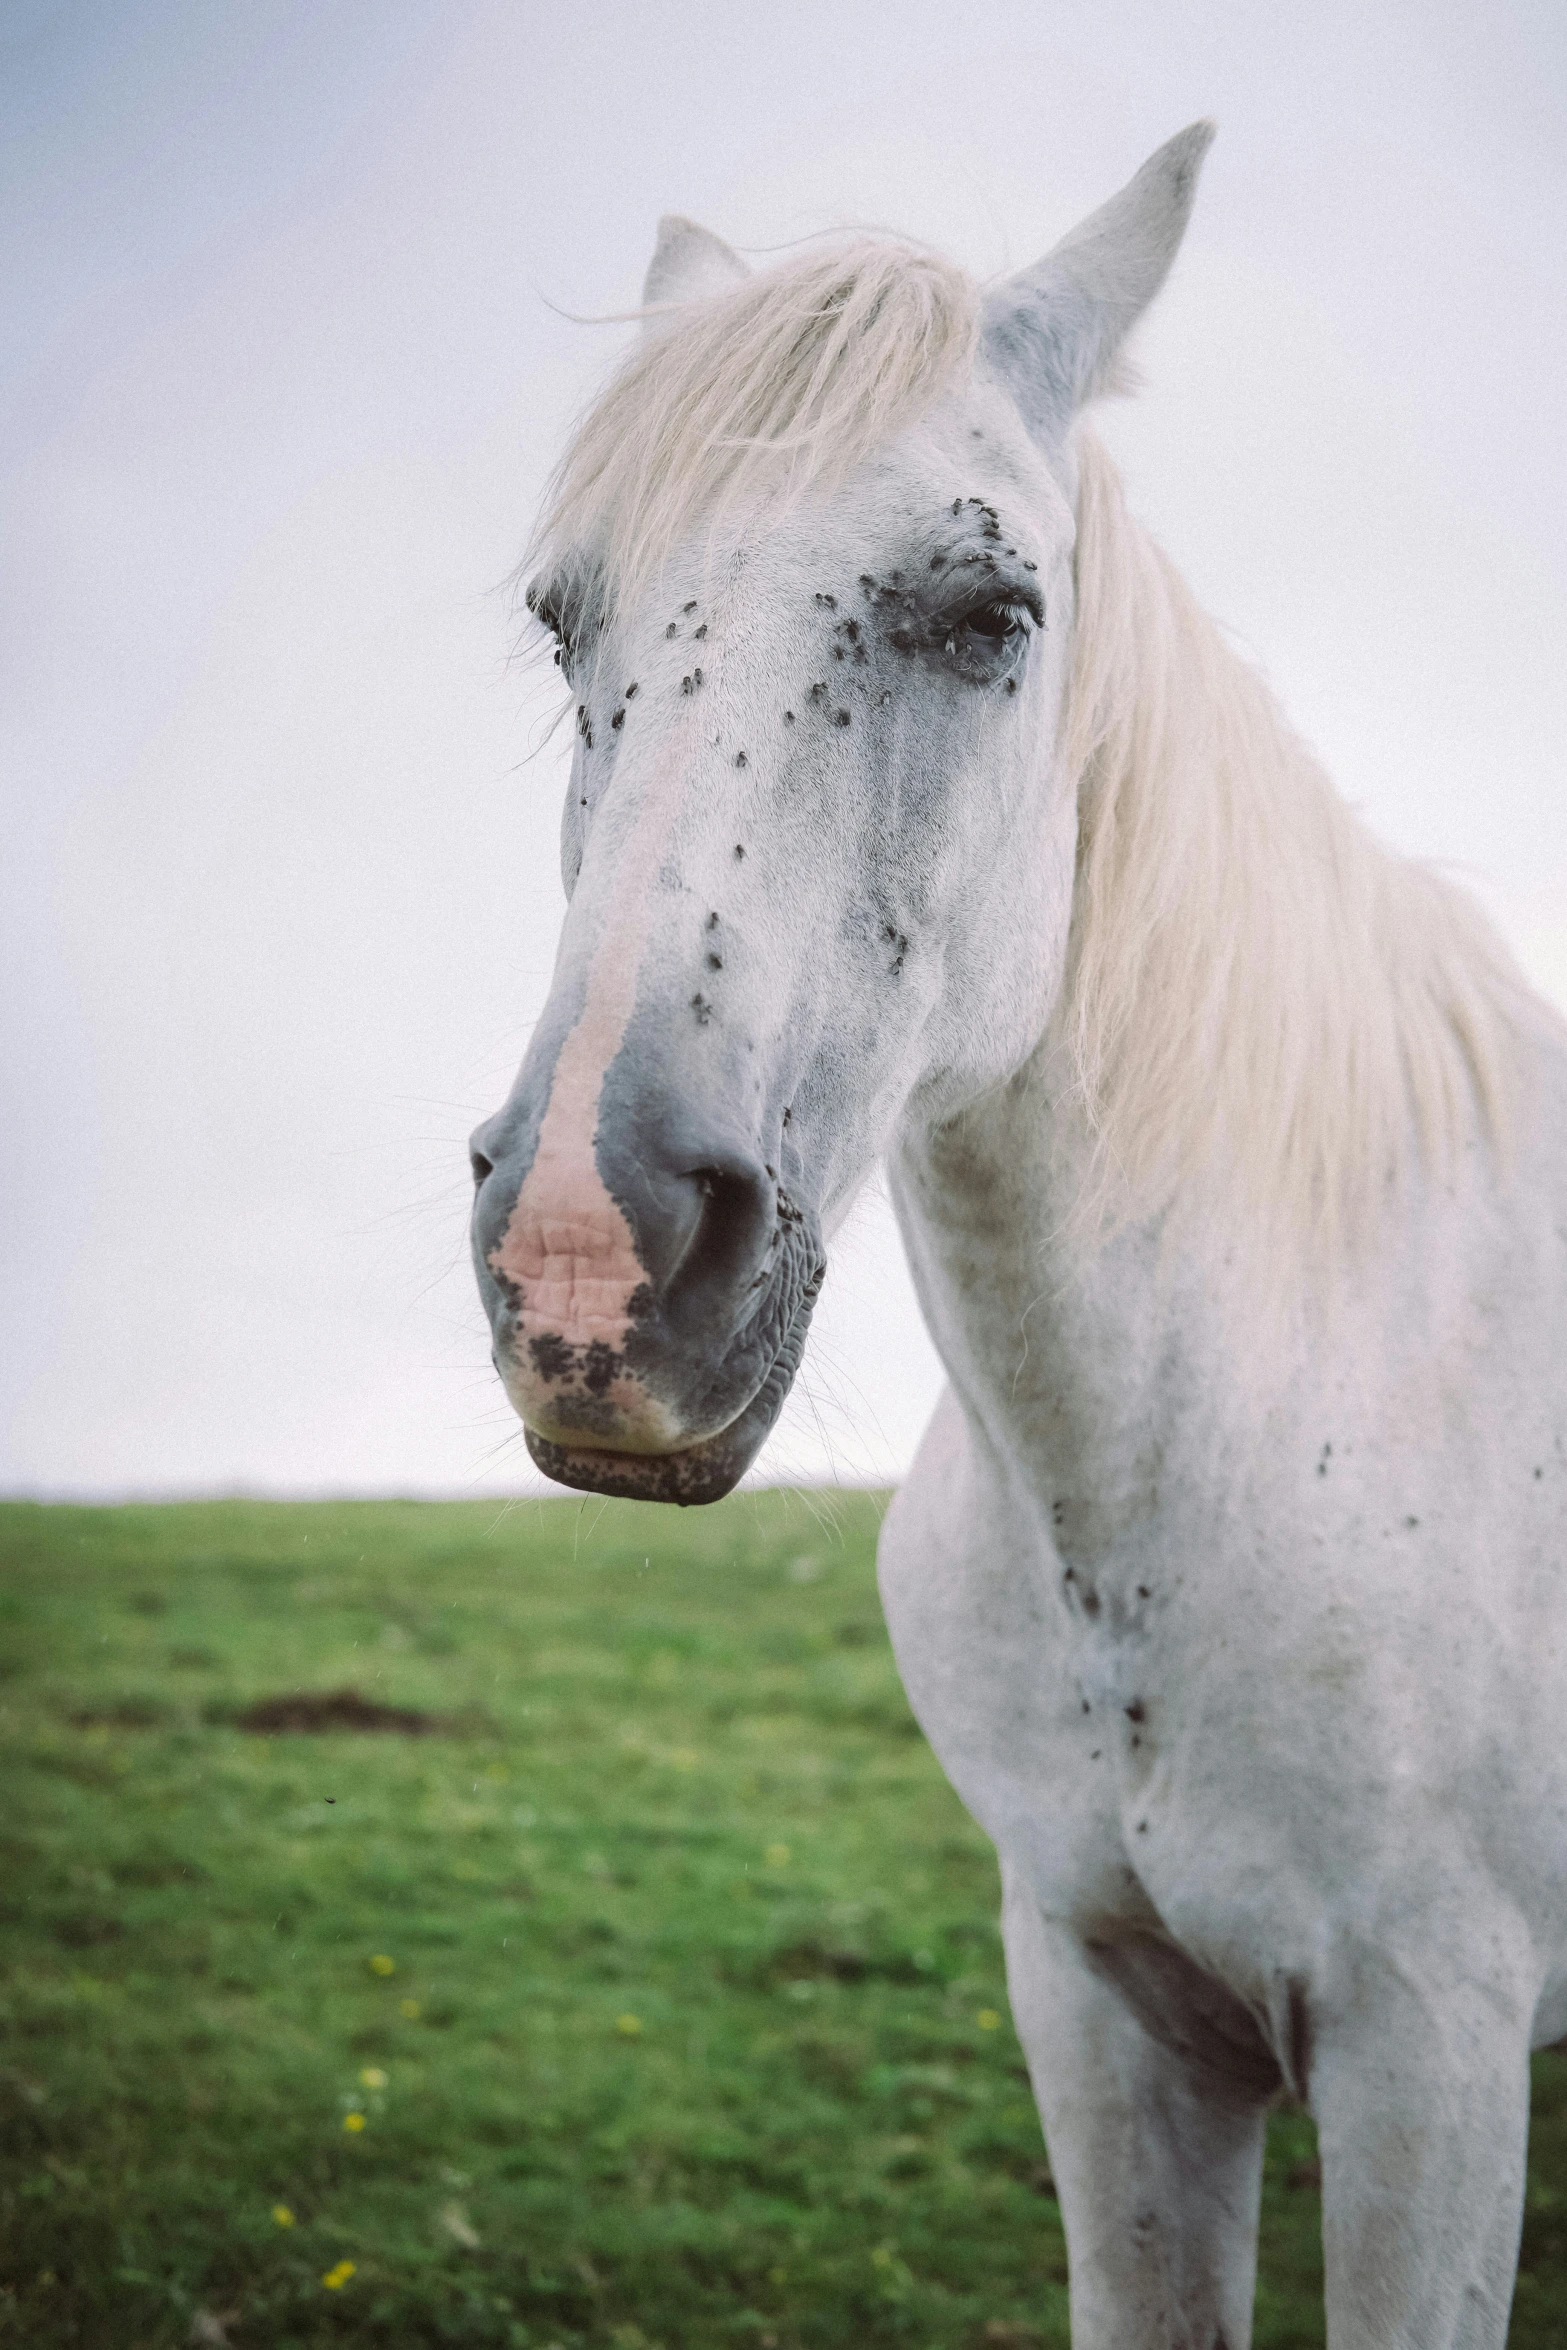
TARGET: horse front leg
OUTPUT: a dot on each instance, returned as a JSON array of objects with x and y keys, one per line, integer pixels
[
  {"x": 1157, "y": 2164},
  {"x": 1421, "y": 2096}
]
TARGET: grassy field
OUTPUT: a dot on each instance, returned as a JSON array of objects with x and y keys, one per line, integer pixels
[{"x": 651, "y": 1996}]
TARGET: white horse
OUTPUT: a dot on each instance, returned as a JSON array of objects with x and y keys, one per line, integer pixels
[{"x": 918, "y": 812}]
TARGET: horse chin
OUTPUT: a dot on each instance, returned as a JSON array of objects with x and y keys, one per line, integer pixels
[
  {"x": 702, "y": 1472},
  {"x": 699, "y": 1473},
  {"x": 695, "y": 1473}
]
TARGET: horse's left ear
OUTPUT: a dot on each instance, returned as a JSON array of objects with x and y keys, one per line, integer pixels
[
  {"x": 688, "y": 264},
  {"x": 1053, "y": 332}
]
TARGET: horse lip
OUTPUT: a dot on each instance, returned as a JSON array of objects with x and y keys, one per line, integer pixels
[
  {"x": 694, "y": 1473},
  {"x": 690, "y": 1474},
  {"x": 699, "y": 1473}
]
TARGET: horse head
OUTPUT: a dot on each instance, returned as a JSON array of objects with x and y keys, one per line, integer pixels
[{"x": 809, "y": 569}]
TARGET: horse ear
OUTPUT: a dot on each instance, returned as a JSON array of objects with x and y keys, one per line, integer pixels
[
  {"x": 688, "y": 263},
  {"x": 1053, "y": 332}
]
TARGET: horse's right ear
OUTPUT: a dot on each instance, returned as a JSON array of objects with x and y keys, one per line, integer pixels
[
  {"x": 688, "y": 263},
  {"x": 1053, "y": 332}
]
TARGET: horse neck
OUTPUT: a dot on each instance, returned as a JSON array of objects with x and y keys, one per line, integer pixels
[{"x": 1076, "y": 1360}]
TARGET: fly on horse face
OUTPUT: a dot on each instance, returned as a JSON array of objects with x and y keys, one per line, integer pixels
[{"x": 918, "y": 815}]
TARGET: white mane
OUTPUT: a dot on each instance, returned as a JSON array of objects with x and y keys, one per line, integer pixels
[
  {"x": 1259, "y": 996},
  {"x": 780, "y": 385},
  {"x": 1261, "y": 1002}
]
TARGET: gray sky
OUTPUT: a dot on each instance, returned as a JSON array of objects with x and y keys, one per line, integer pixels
[{"x": 282, "y": 379}]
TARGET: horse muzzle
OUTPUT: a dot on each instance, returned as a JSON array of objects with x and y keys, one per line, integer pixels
[{"x": 649, "y": 1292}]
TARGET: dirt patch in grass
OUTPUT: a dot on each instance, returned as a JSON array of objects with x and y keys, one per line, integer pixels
[{"x": 337, "y": 1709}]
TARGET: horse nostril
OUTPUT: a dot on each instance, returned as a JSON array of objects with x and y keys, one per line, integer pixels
[
  {"x": 481, "y": 1166},
  {"x": 728, "y": 1191},
  {"x": 727, "y": 1186},
  {"x": 728, "y": 1233},
  {"x": 703, "y": 1230}
]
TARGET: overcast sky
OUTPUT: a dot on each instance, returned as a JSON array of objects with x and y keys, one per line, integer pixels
[{"x": 284, "y": 366}]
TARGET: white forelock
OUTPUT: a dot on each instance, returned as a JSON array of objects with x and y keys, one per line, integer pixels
[{"x": 778, "y": 385}]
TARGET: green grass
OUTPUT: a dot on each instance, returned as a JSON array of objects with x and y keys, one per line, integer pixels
[{"x": 694, "y": 2031}]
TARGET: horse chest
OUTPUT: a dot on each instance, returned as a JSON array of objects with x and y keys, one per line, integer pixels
[
  {"x": 1213, "y": 1731},
  {"x": 1032, "y": 1709}
]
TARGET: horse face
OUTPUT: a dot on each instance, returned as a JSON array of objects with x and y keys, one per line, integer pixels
[
  {"x": 819, "y": 870},
  {"x": 794, "y": 846}
]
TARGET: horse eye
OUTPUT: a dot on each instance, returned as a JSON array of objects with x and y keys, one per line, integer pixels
[{"x": 995, "y": 622}]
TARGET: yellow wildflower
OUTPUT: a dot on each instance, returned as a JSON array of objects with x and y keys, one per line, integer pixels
[
  {"x": 372, "y": 2077},
  {"x": 382, "y": 1965},
  {"x": 778, "y": 1856},
  {"x": 282, "y": 2214},
  {"x": 629, "y": 2024},
  {"x": 335, "y": 2279},
  {"x": 410, "y": 2008},
  {"x": 353, "y": 2121},
  {"x": 987, "y": 2019}
]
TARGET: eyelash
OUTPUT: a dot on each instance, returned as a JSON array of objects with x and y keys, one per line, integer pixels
[
  {"x": 548, "y": 614},
  {"x": 1016, "y": 619},
  {"x": 562, "y": 641}
]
